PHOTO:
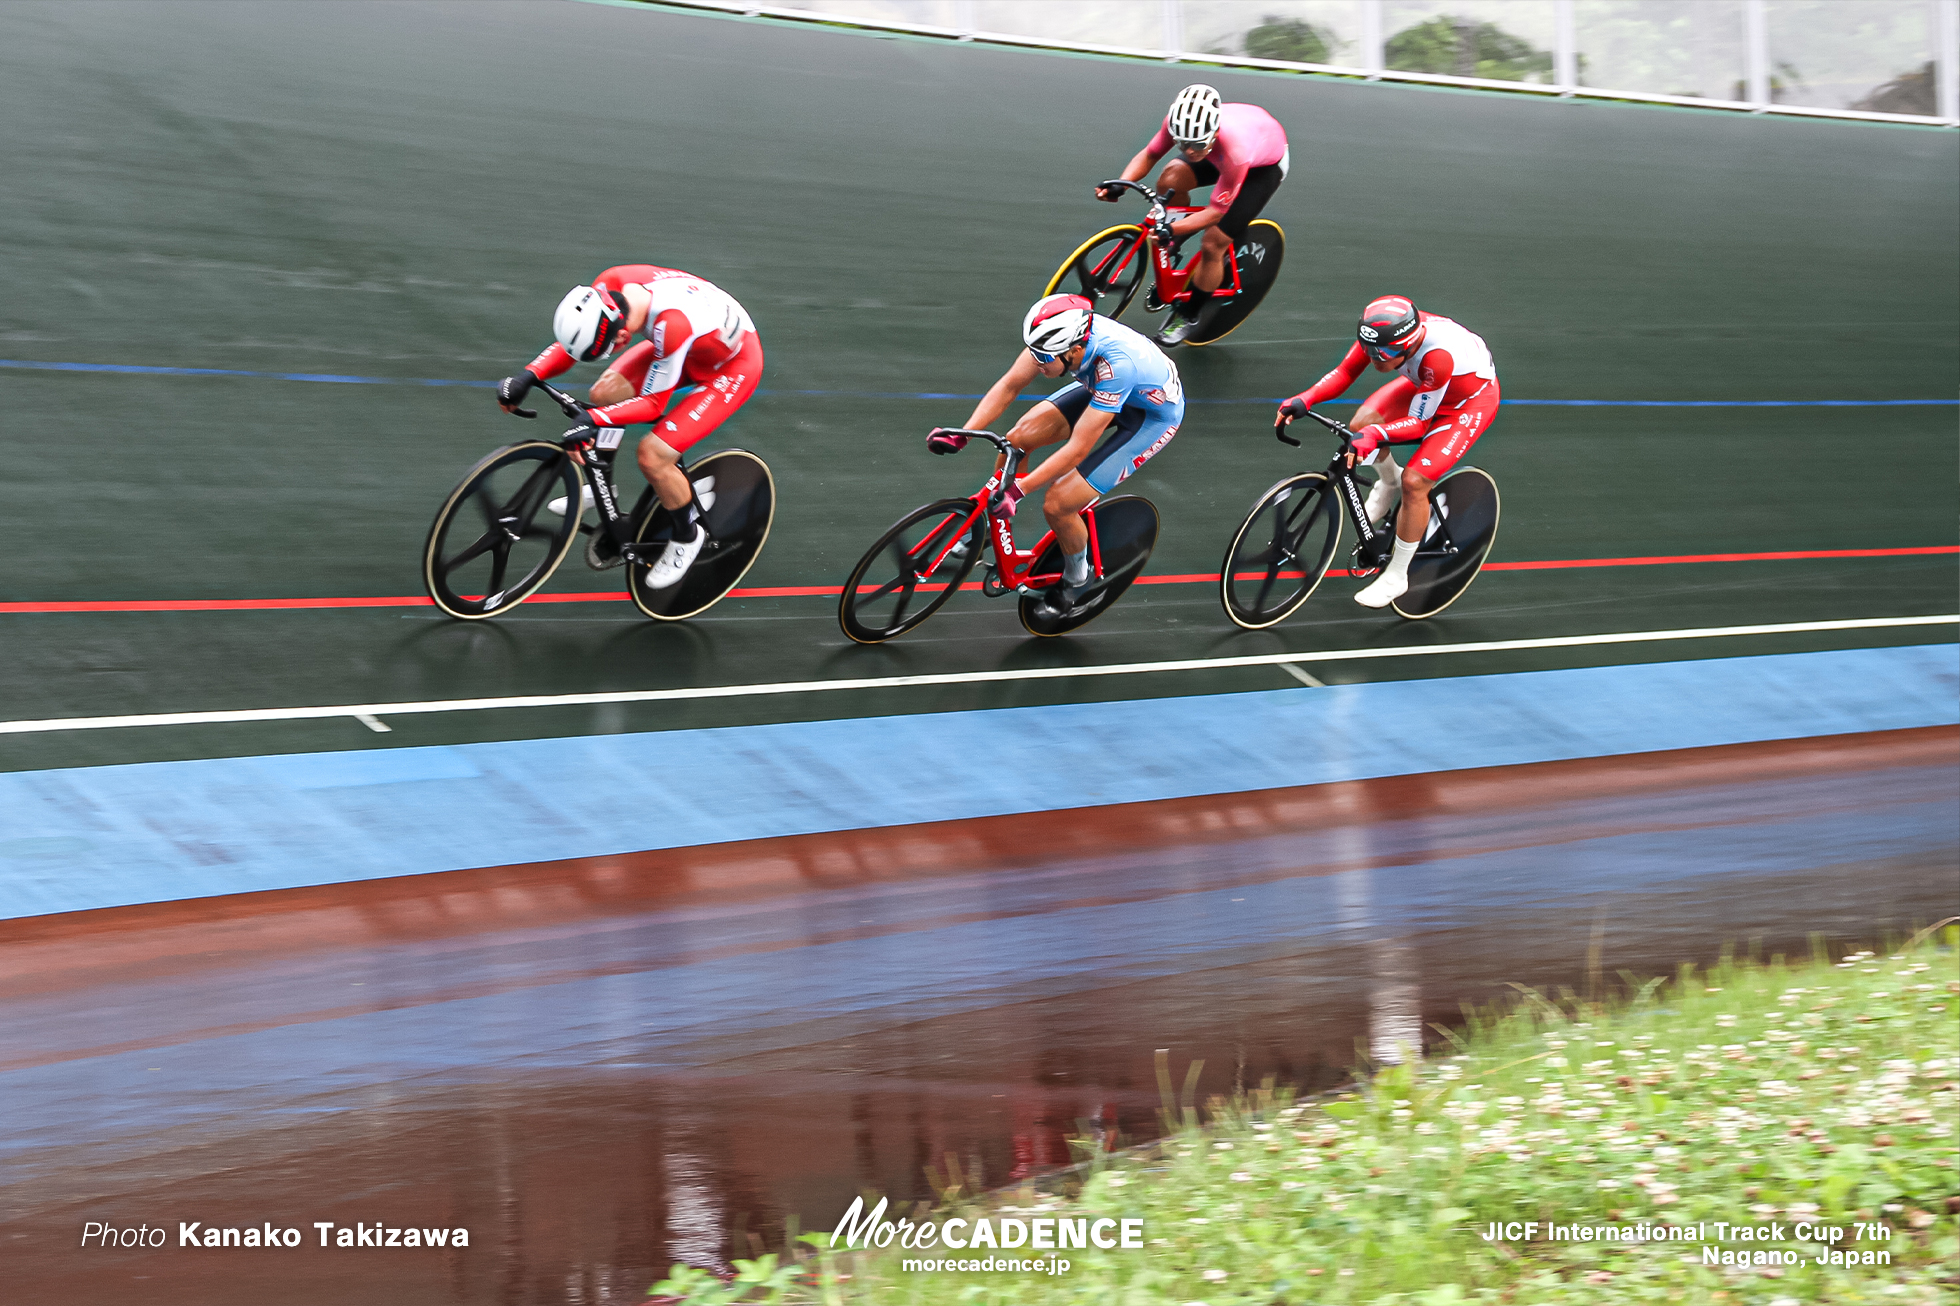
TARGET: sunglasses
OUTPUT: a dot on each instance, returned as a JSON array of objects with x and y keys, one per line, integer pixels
[{"x": 1043, "y": 359}]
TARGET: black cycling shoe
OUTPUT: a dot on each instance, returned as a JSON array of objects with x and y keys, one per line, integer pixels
[
  {"x": 1177, "y": 329},
  {"x": 1067, "y": 600}
]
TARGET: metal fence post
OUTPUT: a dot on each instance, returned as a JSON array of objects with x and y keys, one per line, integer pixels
[
  {"x": 1565, "y": 48},
  {"x": 1946, "y": 58},
  {"x": 1372, "y": 59},
  {"x": 963, "y": 18},
  {"x": 1173, "y": 30},
  {"x": 1755, "y": 53}
]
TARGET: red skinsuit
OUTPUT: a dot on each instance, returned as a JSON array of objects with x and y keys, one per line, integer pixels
[
  {"x": 1444, "y": 394},
  {"x": 696, "y": 334}
]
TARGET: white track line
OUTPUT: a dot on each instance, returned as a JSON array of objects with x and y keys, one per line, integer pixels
[{"x": 360, "y": 711}]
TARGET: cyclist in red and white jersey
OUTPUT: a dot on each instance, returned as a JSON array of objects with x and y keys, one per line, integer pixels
[
  {"x": 695, "y": 335},
  {"x": 1239, "y": 150},
  {"x": 1445, "y": 395}
]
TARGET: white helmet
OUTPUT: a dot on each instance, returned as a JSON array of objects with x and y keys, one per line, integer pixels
[
  {"x": 1193, "y": 119},
  {"x": 590, "y": 322},
  {"x": 1057, "y": 324}
]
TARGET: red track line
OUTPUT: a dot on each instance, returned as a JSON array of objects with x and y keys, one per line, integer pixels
[{"x": 831, "y": 591}]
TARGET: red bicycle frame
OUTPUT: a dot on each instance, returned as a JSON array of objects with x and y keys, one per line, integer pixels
[
  {"x": 1172, "y": 281},
  {"x": 1013, "y": 568}
]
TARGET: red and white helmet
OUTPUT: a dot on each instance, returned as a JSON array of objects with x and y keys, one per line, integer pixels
[
  {"x": 590, "y": 322},
  {"x": 1057, "y": 324}
]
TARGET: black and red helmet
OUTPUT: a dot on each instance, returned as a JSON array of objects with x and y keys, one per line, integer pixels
[{"x": 1390, "y": 327}]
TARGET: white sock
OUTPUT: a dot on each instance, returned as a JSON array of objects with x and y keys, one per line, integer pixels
[
  {"x": 1075, "y": 567},
  {"x": 1398, "y": 561}
]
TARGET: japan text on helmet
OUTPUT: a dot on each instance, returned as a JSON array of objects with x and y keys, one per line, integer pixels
[
  {"x": 1056, "y": 324},
  {"x": 590, "y": 322},
  {"x": 1193, "y": 119},
  {"x": 1390, "y": 327}
]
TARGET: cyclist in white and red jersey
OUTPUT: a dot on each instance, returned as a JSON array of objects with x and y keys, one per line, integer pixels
[
  {"x": 694, "y": 335},
  {"x": 1239, "y": 150},
  {"x": 1445, "y": 395}
]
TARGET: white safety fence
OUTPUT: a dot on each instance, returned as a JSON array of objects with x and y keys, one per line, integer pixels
[{"x": 1879, "y": 60}]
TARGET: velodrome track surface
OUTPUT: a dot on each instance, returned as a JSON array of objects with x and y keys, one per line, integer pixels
[{"x": 240, "y": 241}]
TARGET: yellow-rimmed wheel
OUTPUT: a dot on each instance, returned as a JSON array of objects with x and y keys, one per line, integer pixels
[
  {"x": 1105, "y": 269},
  {"x": 1259, "y": 255}
]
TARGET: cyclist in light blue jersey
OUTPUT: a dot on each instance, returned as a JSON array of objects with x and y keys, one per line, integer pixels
[{"x": 1124, "y": 405}]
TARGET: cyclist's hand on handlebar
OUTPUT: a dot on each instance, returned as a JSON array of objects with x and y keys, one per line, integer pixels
[
  {"x": 1010, "y": 499},
  {"x": 512, "y": 389},
  {"x": 1367, "y": 442},
  {"x": 1162, "y": 232},
  {"x": 1292, "y": 408},
  {"x": 1108, "y": 194},
  {"x": 942, "y": 440},
  {"x": 584, "y": 431}
]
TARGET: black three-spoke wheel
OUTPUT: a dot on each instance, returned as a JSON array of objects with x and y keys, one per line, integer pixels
[
  {"x": 1106, "y": 270},
  {"x": 896, "y": 585},
  {"x": 494, "y": 543},
  {"x": 1281, "y": 552}
]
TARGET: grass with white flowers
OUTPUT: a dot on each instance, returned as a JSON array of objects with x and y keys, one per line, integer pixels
[{"x": 1817, "y": 1093}]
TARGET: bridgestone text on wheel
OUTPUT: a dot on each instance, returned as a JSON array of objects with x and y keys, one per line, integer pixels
[
  {"x": 1467, "y": 502},
  {"x": 737, "y": 523},
  {"x": 1281, "y": 552},
  {"x": 1126, "y": 531},
  {"x": 886, "y": 594},
  {"x": 493, "y": 543}
]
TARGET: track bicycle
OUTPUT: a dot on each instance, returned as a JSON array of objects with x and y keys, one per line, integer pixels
[
  {"x": 496, "y": 540},
  {"x": 1108, "y": 268},
  {"x": 916, "y": 565},
  {"x": 1281, "y": 552}
]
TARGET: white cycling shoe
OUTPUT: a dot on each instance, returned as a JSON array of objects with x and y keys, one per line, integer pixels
[
  {"x": 1387, "y": 588},
  {"x": 557, "y": 506},
  {"x": 674, "y": 560}
]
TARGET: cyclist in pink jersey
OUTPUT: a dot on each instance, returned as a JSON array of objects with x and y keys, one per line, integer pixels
[
  {"x": 695, "y": 336},
  {"x": 1239, "y": 150},
  {"x": 1445, "y": 394}
]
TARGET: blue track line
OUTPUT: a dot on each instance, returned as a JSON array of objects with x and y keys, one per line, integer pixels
[{"x": 342, "y": 379}]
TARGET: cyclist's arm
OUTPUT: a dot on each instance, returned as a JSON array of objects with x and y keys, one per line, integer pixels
[
  {"x": 1438, "y": 370},
  {"x": 1336, "y": 382},
  {"x": 552, "y": 362},
  {"x": 1004, "y": 392},
  {"x": 662, "y": 377},
  {"x": 1088, "y": 429}
]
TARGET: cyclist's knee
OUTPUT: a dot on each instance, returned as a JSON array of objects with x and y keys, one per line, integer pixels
[
  {"x": 654, "y": 453},
  {"x": 1414, "y": 482},
  {"x": 610, "y": 388},
  {"x": 1177, "y": 178},
  {"x": 1216, "y": 241}
]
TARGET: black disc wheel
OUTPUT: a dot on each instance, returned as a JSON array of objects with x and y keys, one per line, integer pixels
[
  {"x": 738, "y": 498},
  {"x": 1126, "y": 531},
  {"x": 1259, "y": 254},
  {"x": 1464, "y": 509},
  {"x": 494, "y": 543},
  {"x": 1106, "y": 270},
  {"x": 912, "y": 569},
  {"x": 1281, "y": 552}
]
